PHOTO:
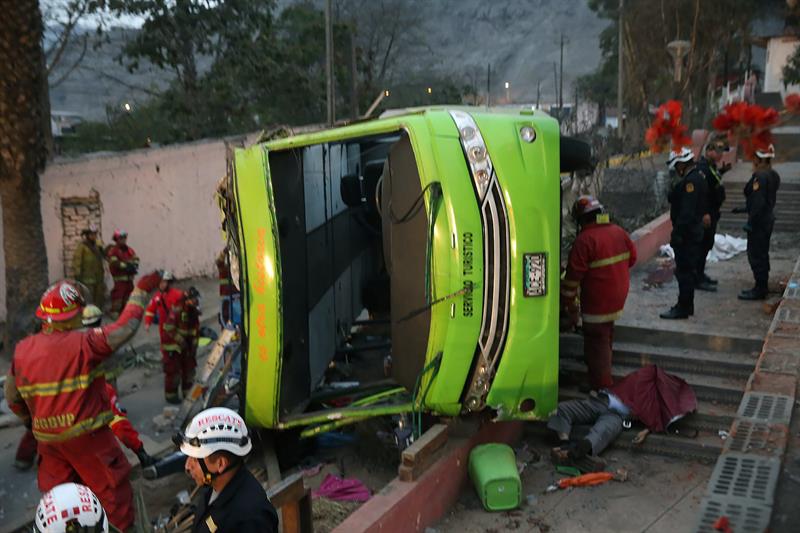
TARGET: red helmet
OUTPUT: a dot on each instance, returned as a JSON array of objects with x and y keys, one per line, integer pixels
[
  {"x": 61, "y": 302},
  {"x": 118, "y": 234},
  {"x": 584, "y": 205}
]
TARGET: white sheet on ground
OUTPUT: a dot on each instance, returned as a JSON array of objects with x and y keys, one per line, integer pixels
[{"x": 725, "y": 247}]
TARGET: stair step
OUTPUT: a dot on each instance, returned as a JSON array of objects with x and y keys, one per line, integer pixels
[
  {"x": 682, "y": 340},
  {"x": 730, "y": 364},
  {"x": 706, "y": 388}
]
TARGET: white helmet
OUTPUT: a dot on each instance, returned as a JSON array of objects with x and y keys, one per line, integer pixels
[
  {"x": 167, "y": 275},
  {"x": 90, "y": 315},
  {"x": 70, "y": 508},
  {"x": 769, "y": 153},
  {"x": 213, "y": 430},
  {"x": 683, "y": 156}
]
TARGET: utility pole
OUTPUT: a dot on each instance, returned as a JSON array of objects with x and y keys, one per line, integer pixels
[
  {"x": 555, "y": 83},
  {"x": 561, "y": 75},
  {"x": 620, "y": 70},
  {"x": 329, "y": 62},
  {"x": 538, "y": 92},
  {"x": 488, "y": 85},
  {"x": 353, "y": 74}
]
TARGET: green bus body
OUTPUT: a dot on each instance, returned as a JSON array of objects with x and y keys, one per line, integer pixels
[{"x": 523, "y": 384}]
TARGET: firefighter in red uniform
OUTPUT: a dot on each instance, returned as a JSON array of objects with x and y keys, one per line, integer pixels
[
  {"x": 599, "y": 264},
  {"x": 178, "y": 353},
  {"x": 165, "y": 298},
  {"x": 123, "y": 264},
  {"x": 55, "y": 386}
]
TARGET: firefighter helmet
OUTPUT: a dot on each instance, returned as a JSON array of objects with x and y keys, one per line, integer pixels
[
  {"x": 70, "y": 508},
  {"x": 167, "y": 275},
  {"x": 213, "y": 430},
  {"x": 192, "y": 293},
  {"x": 684, "y": 155},
  {"x": 584, "y": 205},
  {"x": 61, "y": 301},
  {"x": 118, "y": 234},
  {"x": 91, "y": 316},
  {"x": 767, "y": 153}
]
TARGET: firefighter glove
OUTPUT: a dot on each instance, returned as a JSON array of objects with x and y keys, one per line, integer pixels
[{"x": 145, "y": 459}]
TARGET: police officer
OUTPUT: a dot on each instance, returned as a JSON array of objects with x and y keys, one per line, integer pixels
[
  {"x": 232, "y": 500},
  {"x": 687, "y": 206},
  {"x": 709, "y": 164},
  {"x": 760, "y": 193}
]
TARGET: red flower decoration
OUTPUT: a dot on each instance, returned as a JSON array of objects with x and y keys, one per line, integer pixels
[
  {"x": 792, "y": 103},
  {"x": 666, "y": 131},
  {"x": 748, "y": 125}
]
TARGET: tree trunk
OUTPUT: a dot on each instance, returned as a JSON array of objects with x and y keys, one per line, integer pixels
[{"x": 24, "y": 133}]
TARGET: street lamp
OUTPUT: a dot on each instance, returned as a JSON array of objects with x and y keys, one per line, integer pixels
[
  {"x": 508, "y": 96},
  {"x": 386, "y": 92},
  {"x": 127, "y": 107},
  {"x": 430, "y": 90}
]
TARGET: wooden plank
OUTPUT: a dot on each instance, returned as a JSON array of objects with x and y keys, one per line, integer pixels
[
  {"x": 290, "y": 490},
  {"x": 425, "y": 446},
  {"x": 201, "y": 382},
  {"x": 270, "y": 458}
]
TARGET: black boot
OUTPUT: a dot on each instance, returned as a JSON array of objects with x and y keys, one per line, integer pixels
[
  {"x": 704, "y": 285},
  {"x": 756, "y": 293},
  {"x": 709, "y": 280},
  {"x": 677, "y": 312}
]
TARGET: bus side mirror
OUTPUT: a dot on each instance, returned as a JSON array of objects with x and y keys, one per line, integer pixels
[{"x": 576, "y": 155}]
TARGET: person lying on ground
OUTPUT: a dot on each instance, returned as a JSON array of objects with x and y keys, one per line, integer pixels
[{"x": 650, "y": 395}]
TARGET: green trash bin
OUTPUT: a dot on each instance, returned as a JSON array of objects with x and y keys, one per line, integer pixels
[{"x": 493, "y": 469}]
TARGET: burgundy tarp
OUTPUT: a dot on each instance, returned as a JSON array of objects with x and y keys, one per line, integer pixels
[{"x": 655, "y": 397}]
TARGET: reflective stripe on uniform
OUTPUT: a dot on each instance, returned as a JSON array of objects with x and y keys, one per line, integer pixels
[
  {"x": 116, "y": 420},
  {"x": 54, "y": 388},
  {"x": 599, "y": 319},
  {"x": 610, "y": 260},
  {"x": 84, "y": 426},
  {"x": 122, "y": 278},
  {"x": 172, "y": 347}
]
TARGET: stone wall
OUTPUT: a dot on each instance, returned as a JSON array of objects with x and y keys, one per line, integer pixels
[{"x": 77, "y": 214}]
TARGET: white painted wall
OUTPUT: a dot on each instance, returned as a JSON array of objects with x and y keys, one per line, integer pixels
[
  {"x": 778, "y": 51},
  {"x": 163, "y": 198}
]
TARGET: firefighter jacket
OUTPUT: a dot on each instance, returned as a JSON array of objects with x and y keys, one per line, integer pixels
[
  {"x": 599, "y": 264},
  {"x": 182, "y": 328},
  {"x": 159, "y": 307},
  {"x": 87, "y": 263},
  {"x": 226, "y": 287},
  {"x": 687, "y": 199},
  {"x": 120, "y": 425},
  {"x": 123, "y": 263},
  {"x": 761, "y": 194},
  {"x": 715, "y": 190},
  {"x": 54, "y": 382}
]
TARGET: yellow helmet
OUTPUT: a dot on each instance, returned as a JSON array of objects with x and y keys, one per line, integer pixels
[{"x": 91, "y": 315}]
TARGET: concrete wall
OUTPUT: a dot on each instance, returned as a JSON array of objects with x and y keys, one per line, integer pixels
[
  {"x": 778, "y": 51},
  {"x": 163, "y": 198}
]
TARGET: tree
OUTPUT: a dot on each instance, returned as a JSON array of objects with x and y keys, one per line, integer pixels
[
  {"x": 719, "y": 49},
  {"x": 179, "y": 35},
  {"x": 791, "y": 70},
  {"x": 24, "y": 129}
]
